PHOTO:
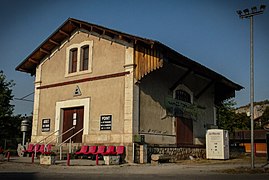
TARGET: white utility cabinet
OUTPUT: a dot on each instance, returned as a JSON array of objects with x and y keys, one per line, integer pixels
[{"x": 217, "y": 144}]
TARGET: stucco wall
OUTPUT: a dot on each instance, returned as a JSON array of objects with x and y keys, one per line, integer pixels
[
  {"x": 107, "y": 58},
  {"x": 106, "y": 95},
  {"x": 159, "y": 129}
]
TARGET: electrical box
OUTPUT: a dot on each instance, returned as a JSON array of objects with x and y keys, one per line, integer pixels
[{"x": 217, "y": 144}]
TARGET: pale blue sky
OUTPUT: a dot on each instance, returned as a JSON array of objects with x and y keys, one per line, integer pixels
[{"x": 207, "y": 31}]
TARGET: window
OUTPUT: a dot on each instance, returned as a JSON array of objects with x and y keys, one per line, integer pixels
[
  {"x": 183, "y": 96},
  {"x": 73, "y": 60},
  {"x": 84, "y": 58},
  {"x": 79, "y": 58}
]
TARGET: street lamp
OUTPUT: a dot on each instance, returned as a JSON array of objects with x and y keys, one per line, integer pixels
[{"x": 249, "y": 15}]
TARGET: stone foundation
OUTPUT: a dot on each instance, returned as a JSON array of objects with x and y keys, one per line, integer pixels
[{"x": 176, "y": 153}]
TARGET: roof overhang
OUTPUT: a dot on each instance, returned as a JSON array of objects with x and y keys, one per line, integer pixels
[
  {"x": 70, "y": 26},
  {"x": 63, "y": 33}
]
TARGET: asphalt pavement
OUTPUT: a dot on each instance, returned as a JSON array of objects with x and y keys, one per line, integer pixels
[{"x": 23, "y": 168}]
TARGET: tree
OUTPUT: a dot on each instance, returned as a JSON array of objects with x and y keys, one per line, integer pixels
[
  {"x": 6, "y": 109},
  {"x": 226, "y": 115},
  {"x": 229, "y": 120},
  {"x": 9, "y": 124}
]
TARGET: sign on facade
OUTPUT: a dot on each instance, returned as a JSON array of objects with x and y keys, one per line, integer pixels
[
  {"x": 45, "y": 125},
  {"x": 178, "y": 108},
  {"x": 105, "y": 122},
  {"x": 77, "y": 91}
]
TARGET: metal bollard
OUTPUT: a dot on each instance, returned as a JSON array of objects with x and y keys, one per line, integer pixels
[
  {"x": 33, "y": 157},
  {"x": 68, "y": 159},
  {"x": 8, "y": 156},
  {"x": 96, "y": 157}
]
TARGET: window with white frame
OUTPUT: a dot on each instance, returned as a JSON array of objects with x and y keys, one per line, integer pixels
[
  {"x": 73, "y": 55},
  {"x": 79, "y": 58}
]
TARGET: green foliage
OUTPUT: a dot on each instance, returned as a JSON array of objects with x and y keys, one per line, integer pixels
[
  {"x": 226, "y": 115},
  {"x": 229, "y": 120},
  {"x": 6, "y": 109},
  {"x": 9, "y": 124}
]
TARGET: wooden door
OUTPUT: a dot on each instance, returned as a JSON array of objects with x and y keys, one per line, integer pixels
[
  {"x": 184, "y": 131},
  {"x": 69, "y": 116}
]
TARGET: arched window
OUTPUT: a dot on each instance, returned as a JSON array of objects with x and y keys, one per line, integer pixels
[{"x": 183, "y": 96}]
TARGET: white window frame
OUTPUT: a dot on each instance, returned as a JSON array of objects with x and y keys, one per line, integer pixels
[{"x": 79, "y": 48}]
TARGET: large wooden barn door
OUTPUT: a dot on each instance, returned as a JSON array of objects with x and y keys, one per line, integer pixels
[
  {"x": 184, "y": 131},
  {"x": 71, "y": 116}
]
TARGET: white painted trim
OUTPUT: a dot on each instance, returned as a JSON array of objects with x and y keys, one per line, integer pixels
[
  {"x": 79, "y": 47},
  {"x": 69, "y": 104}
]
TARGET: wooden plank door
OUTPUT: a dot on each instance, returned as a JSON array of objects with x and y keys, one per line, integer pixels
[
  {"x": 69, "y": 114},
  {"x": 184, "y": 131}
]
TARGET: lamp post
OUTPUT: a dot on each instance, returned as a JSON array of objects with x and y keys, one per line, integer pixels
[{"x": 249, "y": 15}]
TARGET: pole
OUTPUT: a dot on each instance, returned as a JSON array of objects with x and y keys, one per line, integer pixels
[
  {"x": 8, "y": 156},
  {"x": 96, "y": 159},
  {"x": 252, "y": 91},
  {"x": 68, "y": 159},
  {"x": 33, "y": 158},
  {"x": 23, "y": 138}
]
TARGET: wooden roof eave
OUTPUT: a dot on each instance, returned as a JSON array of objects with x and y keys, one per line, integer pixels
[
  {"x": 179, "y": 59},
  {"x": 41, "y": 49},
  {"x": 72, "y": 25},
  {"x": 76, "y": 24}
]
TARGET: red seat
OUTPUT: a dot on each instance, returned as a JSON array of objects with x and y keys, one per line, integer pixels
[
  {"x": 36, "y": 148},
  {"x": 110, "y": 151},
  {"x": 32, "y": 148},
  {"x": 120, "y": 150},
  {"x": 100, "y": 150},
  {"x": 83, "y": 150},
  {"x": 29, "y": 149},
  {"x": 41, "y": 149},
  {"x": 91, "y": 150}
]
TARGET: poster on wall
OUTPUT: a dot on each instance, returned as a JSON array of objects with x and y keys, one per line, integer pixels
[
  {"x": 105, "y": 122},
  {"x": 45, "y": 125}
]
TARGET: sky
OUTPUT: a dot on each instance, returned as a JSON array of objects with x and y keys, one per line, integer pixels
[{"x": 206, "y": 31}]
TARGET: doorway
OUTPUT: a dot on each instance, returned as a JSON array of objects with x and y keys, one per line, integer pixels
[
  {"x": 73, "y": 117},
  {"x": 184, "y": 131}
]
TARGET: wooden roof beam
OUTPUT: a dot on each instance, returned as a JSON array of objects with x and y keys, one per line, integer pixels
[
  {"x": 73, "y": 23},
  {"x": 97, "y": 30},
  {"x": 179, "y": 81},
  {"x": 44, "y": 51},
  {"x": 33, "y": 60},
  {"x": 151, "y": 45},
  {"x": 204, "y": 89},
  {"x": 54, "y": 42},
  {"x": 64, "y": 33}
]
